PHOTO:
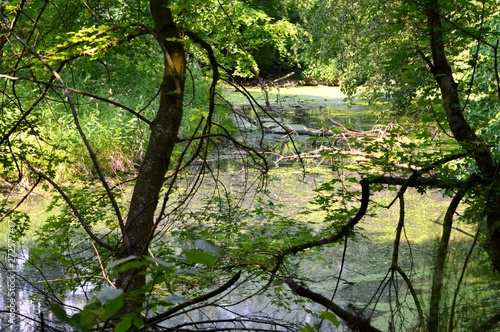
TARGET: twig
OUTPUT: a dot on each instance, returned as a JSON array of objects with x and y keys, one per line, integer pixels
[{"x": 104, "y": 274}]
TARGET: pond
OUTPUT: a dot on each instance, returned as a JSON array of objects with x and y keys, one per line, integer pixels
[
  {"x": 361, "y": 269},
  {"x": 366, "y": 263},
  {"x": 312, "y": 106},
  {"x": 367, "y": 260}
]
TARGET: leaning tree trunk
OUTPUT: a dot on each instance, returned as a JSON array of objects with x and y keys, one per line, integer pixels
[
  {"x": 467, "y": 138},
  {"x": 164, "y": 129},
  {"x": 464, "y": 134}
]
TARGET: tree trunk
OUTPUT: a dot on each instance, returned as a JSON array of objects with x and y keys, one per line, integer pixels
[
  {"x": 467, "y": 138},
  {"x": 464, "y": 134},
  {"x": 139, "y": 226}
]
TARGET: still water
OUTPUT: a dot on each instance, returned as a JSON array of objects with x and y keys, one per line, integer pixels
[
  {"x": 356, "y": 277},
  {"x": 367, "y": 261}
]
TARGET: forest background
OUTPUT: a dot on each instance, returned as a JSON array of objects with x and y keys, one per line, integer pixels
[{"x": 116, "y": 110}]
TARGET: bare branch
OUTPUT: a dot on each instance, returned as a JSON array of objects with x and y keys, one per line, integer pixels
[
  {"x": 352, "y": 321},
  {"x": 204, "y": 297}
]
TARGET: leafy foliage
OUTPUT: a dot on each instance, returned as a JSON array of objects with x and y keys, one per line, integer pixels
[{"x": 246, "y": 39}]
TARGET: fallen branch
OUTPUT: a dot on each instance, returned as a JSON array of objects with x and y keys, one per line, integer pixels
[
  {"x": 282, "y": 128},
  {"x": 238, "y": 111},
  {"x": 286, "y": 128},
  {"x": 320, "y": 154},
  {"x": 338, "y": 124},
  {"x": 297, "y": 130},
  {"x": 284, "y": 77}
]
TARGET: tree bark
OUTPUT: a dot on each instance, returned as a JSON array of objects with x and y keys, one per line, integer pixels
[
  {"x": 463, "y": 133},
  {"x": 470, "y": 142},
  {"x": 139, "y": 226}
]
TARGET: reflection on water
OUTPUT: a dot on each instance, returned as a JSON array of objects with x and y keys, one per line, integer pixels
[
  {"x": 367, "y": 260},
  {"x": 29, "y": 306},
  {"x": 357, "y": 117},
  {"x": 361, "y": 277},
  {"x": 30, "y": 309}
]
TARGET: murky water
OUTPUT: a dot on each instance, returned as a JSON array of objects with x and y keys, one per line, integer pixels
[{"x": 367, "y": 260}]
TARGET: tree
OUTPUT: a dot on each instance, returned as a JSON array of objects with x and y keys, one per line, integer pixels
[
  {"x": 471, "y": 143},
  {"x": 48, "y": 47},
  {"x": 139, "y": 228},
  {"x": 450, "y": 28},
  {"x": 57, "y": 60}
]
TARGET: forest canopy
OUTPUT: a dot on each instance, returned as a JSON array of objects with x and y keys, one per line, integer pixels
[{"x": 174, "y": 188}]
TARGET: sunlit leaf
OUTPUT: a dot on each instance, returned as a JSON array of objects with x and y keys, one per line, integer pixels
[
  {"x": 200, "y": 257},
  {"x": 59, "y": 312},
  {"x": 112, "y": 307},
  {"x": 331, "y": 317}
]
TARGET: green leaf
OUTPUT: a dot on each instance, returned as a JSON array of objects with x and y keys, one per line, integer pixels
[
  {"x": 59, "y": 312},
  {"x": 88, "y": 319},
  {"x": 330, "y": 316},
  {"x": 197, "y": 256},
  {"x": 113, "y": 264},
  {"x": 125, "y": 324},
  {"x": 93, "y": 304},
  {"x": 138, "y": 322},
  {"x": 112, "y": 307},
  {"x": 208, "y": 247},
  {"x": 307, "y": 328},
  {"x": 75, "y": 321},
  {"x": 106, "y": 295}
]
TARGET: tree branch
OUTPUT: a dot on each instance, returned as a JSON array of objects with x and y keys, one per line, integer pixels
[
  {"x": 90, "y": 150},
  {"x": 352, "y": 321},
  {"x": 80, "y": 92},
  {"x": 345, "y": 230},
  {"x": 73, "y": 208},
  {"x": 437, "y": 283},
  {"x": 204, "y": 297}
]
